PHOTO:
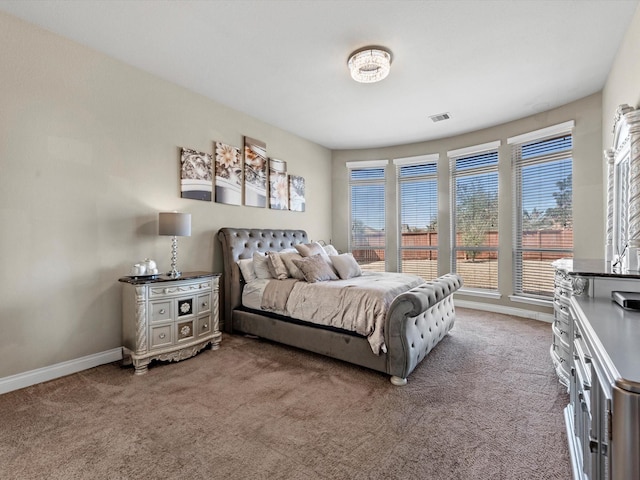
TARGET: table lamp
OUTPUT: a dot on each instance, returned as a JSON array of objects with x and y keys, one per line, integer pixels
[{"x": 177, "y": 225}]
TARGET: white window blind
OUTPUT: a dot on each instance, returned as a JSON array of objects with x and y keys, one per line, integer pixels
[
  {"x": 543, "y": 221},
  {"x": 474, "y": 222},
  {"x": 418, "y": 215},
  {"x": 367, "y": 217}
]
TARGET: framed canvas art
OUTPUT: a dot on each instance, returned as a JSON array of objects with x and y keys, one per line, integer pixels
[
  {"x": 196, "y": 172},
  {"x": 255, "y": 173},
  {"x": 278, "y": 185},
  {"x": 228, "y": 174},
  {"x": 296, "y": 193}
]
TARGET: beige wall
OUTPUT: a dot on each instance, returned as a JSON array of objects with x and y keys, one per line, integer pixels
[
  {"x": 89, "y": 150},
  {"x": 623, "y": 82},
  {"x": 587, "y": 186}
]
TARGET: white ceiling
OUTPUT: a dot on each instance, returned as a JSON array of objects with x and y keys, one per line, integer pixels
[{"x": 284, "y": 61}]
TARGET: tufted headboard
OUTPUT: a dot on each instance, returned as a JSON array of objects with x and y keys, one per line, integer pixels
[{"x": 240, "y": 243}]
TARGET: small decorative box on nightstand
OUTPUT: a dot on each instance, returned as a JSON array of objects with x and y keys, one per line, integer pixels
[{"x": 168, "y": 318}]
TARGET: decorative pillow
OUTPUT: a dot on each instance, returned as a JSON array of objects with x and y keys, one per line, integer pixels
[
  {"x": 315, "y": 269},
  {"x": 288, "y": 258},
  {"x": 260, "y": 265},
  {"x": 246, "y": 267},
  {"x": 310, "y": 249},
  {"x": 330, "y": 250},
  {"x": 276, "y": 266},
  {"x": 346, "y": 266}
]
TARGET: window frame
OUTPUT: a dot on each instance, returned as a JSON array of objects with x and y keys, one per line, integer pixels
[
  {"x": 368, "y": 165},
  {"x": 455, "y": 156},
  {"x": 517, "y": 163},
  {"x": 419, "y": 160}
]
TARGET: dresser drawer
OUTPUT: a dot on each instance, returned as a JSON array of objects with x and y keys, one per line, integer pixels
[
  {"x": 561, "y": 311},
  {"x": 161, "y": 336},
  {"x": 561, "y": 331}
]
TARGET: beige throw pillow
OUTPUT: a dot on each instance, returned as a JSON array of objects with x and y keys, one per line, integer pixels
[
  {"x": 276, "y": 266},
  {"x": 346, "y": 266},
  {"x": 315, "y": 269},
  {"x": 288, "y": 258},
  {"x": 310, "y": 249}
]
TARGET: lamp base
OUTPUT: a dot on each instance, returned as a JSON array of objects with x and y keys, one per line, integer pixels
[{"x": 174, "y": 274}]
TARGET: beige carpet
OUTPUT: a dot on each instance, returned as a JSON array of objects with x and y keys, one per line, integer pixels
[{"x": 485, "y": 404}]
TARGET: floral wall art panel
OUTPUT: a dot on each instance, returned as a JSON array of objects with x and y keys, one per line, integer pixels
[
  {"x": 196, "y": 173},
  {"x": 228, "y": 174},
  {"x": 296, "y": 193},
  {"x": 255, "y": 173},
  {"x": 278, "y": 185}
]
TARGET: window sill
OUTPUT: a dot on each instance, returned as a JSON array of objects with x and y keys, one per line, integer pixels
[
  {"x": 532, "y": 301},
  {"x": 473, "y": 292}
]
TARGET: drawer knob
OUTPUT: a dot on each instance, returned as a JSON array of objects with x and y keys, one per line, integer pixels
[
  {"x": 162, "y": 311},
  {"x": 205, "y": 326},
  {"x": 162, "y": 335},
  {"x": 204, "y": 304}
]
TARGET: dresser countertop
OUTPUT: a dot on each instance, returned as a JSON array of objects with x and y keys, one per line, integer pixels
[
  {"x": 591, "y": 267},
  {"x": 618, "y": 331}
]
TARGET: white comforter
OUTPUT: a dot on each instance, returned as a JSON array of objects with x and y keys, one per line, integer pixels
[{"x": 359, "y": 304}]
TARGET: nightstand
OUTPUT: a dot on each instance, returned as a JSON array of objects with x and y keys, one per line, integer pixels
[{"x": 170, "y": 319}]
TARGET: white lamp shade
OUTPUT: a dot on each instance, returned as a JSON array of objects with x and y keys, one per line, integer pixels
[{"x": 174, "y": 224}]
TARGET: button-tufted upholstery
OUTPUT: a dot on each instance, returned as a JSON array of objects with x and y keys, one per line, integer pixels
[
  {"x": 417, "y": 320},
  {"x": 240, "y": 243}
]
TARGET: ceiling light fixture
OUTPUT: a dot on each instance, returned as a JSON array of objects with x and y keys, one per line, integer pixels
[{"x": 369, "y": 64}]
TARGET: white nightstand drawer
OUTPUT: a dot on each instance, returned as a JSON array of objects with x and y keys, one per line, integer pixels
[
  {"x": 160, "y": 311},
  {"x": 204, "y": 303},
  {"x": 161, "y": 336},
  {"x": 204, "y": 325},
  {"x": 184, "y": 330},
  {"x": 185, "y": 307}
]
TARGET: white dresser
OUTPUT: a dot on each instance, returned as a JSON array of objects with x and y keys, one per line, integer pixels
[
  {"x": 169, "y": 319},
  {"x": 602, "y": 367}
]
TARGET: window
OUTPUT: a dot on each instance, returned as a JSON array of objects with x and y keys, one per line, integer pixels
[
  {"x": 474, "y": 215},
  {"x": 367, "y": 214},
  {"x": 417, "y": 180},
  {"x": 543, "y": 221}
]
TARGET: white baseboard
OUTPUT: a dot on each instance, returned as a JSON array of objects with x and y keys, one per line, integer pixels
[
  {"x": 39, "y": 375},
  {"x": 518, "y": 312}
]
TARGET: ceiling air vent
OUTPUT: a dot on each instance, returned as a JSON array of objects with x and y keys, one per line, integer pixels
[{"x": 440, "y": 117}]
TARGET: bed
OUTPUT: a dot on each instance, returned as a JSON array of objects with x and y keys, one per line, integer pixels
[{"x": 415, "y": 321}]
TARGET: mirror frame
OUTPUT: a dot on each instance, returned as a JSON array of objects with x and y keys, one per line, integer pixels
[{"x": 622, "y": 243}]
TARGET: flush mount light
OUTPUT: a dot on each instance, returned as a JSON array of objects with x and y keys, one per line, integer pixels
[{"x": 369, "y": 64}]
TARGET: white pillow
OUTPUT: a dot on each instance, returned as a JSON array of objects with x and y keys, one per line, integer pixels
[
  {"x": 330, "y": 250},
  {"x": 246, "y": 267},
  {"x": 260, "y": 265},
  {"x": 346, "y": 266}
]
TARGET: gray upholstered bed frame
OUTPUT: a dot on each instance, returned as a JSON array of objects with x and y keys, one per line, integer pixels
[{"x": 417, "y": 320}]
